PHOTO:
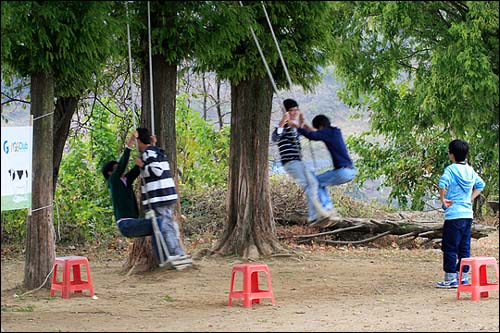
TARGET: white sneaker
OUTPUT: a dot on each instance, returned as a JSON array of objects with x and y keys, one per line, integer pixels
[
  {"x": 447, "y": 284},
  {"x": 182, "y": 262}
]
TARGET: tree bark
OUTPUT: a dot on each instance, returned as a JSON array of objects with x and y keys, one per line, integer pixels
[
  {"x": 64, "y": 111},
  {"x": 141, "y": 257},
  {"x": 249, "y": 229},
  {"x": 165, "y": 94},
  {"x": 40, "y": 246}
]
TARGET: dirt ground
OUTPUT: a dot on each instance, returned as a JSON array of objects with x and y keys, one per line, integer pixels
[{"x": 339, "y": 289}]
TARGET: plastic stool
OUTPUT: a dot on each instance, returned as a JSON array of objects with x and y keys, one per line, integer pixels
[
  {"x": 479, "y": 286},
  {"x": 67, "y": 286},
  {"x": 251, "y": 294}
]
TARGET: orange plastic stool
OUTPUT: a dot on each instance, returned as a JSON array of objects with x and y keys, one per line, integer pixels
[
  {"x": 251, "y": 294},
  {"x": 67, "y": 286},
  {"x": 479, "y": 286}
]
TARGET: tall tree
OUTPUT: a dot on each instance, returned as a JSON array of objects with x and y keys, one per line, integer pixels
[
  {"x": 428, "y": 73},
  {"x": 302, "y": 30},
  {"x": 174, "y": 27},
  {"x": 62, "y": 46}
]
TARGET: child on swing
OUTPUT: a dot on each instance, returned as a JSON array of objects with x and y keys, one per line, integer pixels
[
  {"x": 158, "y": 191},
  {"x": 125, "y": 208}
]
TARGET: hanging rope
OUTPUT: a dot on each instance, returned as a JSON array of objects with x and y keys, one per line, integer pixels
[
  {"x": 164, "y": 255},
  {"x": 315, "y": 200},
  {"x": 150, "y": 74},
  {"x": 263, "y": 59},
  {"x": 163, "y": 250},
  {"x": 286, "y": 71},
  {"x": 279, "y": 49},
  {"x": 131, "y": 80}
]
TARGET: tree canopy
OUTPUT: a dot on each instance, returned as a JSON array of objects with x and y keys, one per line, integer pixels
[
  {"x": 302, "y": 29},
  {"x": 428, "y": 73},
  {"x": 73, "y": 40}
]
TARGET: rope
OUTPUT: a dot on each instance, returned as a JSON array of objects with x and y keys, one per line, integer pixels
[
  {"x": 150, "y": 74},
  {"x": 55, "y": 240},
  {"x": 315, "y": 200},
  {"x": 131, "y": 81},
  {"x": 286, "y": 71},
  {"x": 45, "y": 115},
  {"x": 278, "y": 48},
  {"x": 163, "y": 249},
  {"x": 275, "y": 88}
]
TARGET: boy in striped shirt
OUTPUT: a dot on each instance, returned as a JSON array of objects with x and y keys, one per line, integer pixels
[
  {"x": 287, "y": 137},
  {"x": 158, "y": 190}
]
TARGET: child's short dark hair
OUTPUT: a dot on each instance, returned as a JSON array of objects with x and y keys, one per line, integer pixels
[
  {"x": 107, "y": 168},
  {"x": 143, "y": 135},
  {"x": 459, "y": 149},
  {"x": 320, "y": 121}
]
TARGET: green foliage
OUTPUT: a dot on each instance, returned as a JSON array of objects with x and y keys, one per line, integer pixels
[
  {"x": 71, "y": 39},
  {"x": 14, "y": 225},
  {"x": 83, "y": 209},
  {"x": 82, "y": 195},
  {"x": 302, "y": 29},
  {"x": 428, "y": 73},
  {"x": 202, "y": 152}
]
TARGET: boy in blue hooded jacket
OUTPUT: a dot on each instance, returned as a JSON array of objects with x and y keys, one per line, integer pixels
[{"x": 458, "y": 187}]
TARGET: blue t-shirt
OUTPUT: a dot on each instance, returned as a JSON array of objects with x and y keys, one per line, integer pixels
[{"x": 459, "y": 180}]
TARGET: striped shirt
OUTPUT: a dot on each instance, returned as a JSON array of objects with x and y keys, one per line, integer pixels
[
  {"x": 158, "y": 187},
  {"x": 288, "y": 144}
]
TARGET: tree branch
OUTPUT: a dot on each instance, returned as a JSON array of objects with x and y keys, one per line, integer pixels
[
  {"x": 12, "y": 99},
  {"x": 354, "y": 242}
]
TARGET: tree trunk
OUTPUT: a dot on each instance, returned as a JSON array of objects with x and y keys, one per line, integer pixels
[
  {"x": 218, "y": 102},
  {"x": 249, "y": 229},
  {"x": 165, "y": 93},
  {"x": 164, "y": 89},
  {"x": 64, "y": 111},
  {"x": 205, "y": 94},
  {"x": 141, "y": 257},
  {"x": 40, "y": 246}
]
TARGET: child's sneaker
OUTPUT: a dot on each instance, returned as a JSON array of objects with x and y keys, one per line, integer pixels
[
  {"x": 447, "y": 284},
  {"x": 465, "y": 277}
]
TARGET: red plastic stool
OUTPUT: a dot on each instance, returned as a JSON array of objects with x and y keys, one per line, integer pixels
[
  {"x": 479, "y": 287},
  {"x": 251, "y": 294},
  {"x": 67, "y": 286}
]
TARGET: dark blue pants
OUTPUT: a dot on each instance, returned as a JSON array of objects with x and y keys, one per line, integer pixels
[
  {"x": 455, "y": 244},
  {"x": 138, "y": 227}
]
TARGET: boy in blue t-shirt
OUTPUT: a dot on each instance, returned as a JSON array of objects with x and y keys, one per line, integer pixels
[{"x": 458, "y": 187}]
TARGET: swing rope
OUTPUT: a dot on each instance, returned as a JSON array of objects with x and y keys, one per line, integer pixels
[
  {"x": 131, "y": 81},
  {"x": 315, "y": 200},
  {"x": 286, "y": 71},
  {"x": 150, "y": 74},
  {"x": 150, "y": 214}
]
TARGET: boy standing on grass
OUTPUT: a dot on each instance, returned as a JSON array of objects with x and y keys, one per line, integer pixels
[{"x": 458, "y": 187}]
